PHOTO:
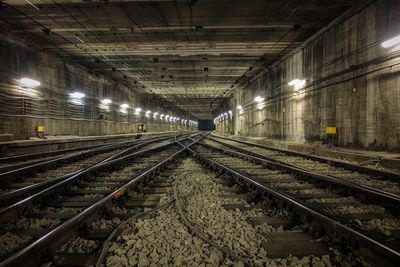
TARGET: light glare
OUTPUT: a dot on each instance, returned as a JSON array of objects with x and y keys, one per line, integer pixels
[
  {"x": 258, "y": 99},
  {"x": 106, "y": 101},
  {"x": 297, "y": 83},
  {"x": 77, "y": 95},
  {"x": 26, "y": 82},
  {"x": 391, "y": 42}
]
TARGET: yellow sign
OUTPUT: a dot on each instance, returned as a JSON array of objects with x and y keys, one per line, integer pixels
[
  {"x": 331, "y": 130},
  {"x": 40, "y": 129}
]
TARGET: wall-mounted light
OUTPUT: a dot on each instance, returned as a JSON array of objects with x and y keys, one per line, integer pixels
[
  {"x": 260, "y": 106},
  {"x": 77, "y": 95},
  {"x": 104, "y": 104},
  {"x": 298, "y": 84},
  {"x": 391, "y": 42},
  {"x": 258, "y": 99},
  {"x": 106, "y": 101},
  {"x": 26, "y": 82},
  {"x": 123, "y": 108},
  {"x": 76, "y": 98}
]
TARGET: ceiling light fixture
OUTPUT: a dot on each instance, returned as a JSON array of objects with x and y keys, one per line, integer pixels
[
  {"x": 35, "y": 6},
  {"x": 77, "y": 37},
  {"x": 124, "y": 106}
]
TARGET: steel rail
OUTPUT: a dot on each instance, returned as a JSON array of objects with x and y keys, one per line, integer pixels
[
  {"x": 270, "y": 159},
  {"x": 57, "y": 154},
  {"x": 9, "y": 175},
  {"x": 118, "y": 229},
  {"x": 338, "y": 163},
  {"x": 309, "y": 215},
  {"x": 36, "y": 250},
  {"x": 21, "y": 157},
  {"x": 11, "y": 211},
  {"x": 14, "y": 194},
  {"x": 389, "y": 201}
]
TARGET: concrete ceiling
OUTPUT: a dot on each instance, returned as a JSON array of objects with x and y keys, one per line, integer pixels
[{"x": 188, "y": 52}]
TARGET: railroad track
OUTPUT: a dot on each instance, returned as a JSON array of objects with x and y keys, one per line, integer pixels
[
  {"x": 159, "y": 206},
  {"x": 19, "y": 161},
  {"x": 360, "y": 224},
  {"x": 205, "y": 218},
  {"x": 46, "y": 221},
  {"x": 207, "y": 223},
  {"x": 381, "y": 180},
  {"x": 28, "y": 180}
]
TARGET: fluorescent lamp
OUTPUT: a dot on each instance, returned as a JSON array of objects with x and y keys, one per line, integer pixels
[
  {"x": 258, "y": 99},
  {"x": 106, "y": 101},
  {"x": 33, "y": 5},
  {"x": 26, "y": 82},
  {"x": 391, "y": 42},
  {"x": 260, "y": 106},
  {"x": 297, "y": 83},
  {"x": 77, "y": 95},
  {"x": 124, "y": 106}
]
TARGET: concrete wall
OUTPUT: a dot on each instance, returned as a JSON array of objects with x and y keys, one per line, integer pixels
[
  {"x": 353, "y": 83},
  {"x": 22, "y": 109}
]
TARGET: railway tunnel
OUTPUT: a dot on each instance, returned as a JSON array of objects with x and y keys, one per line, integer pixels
[{"x": 199, "y": 133}]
